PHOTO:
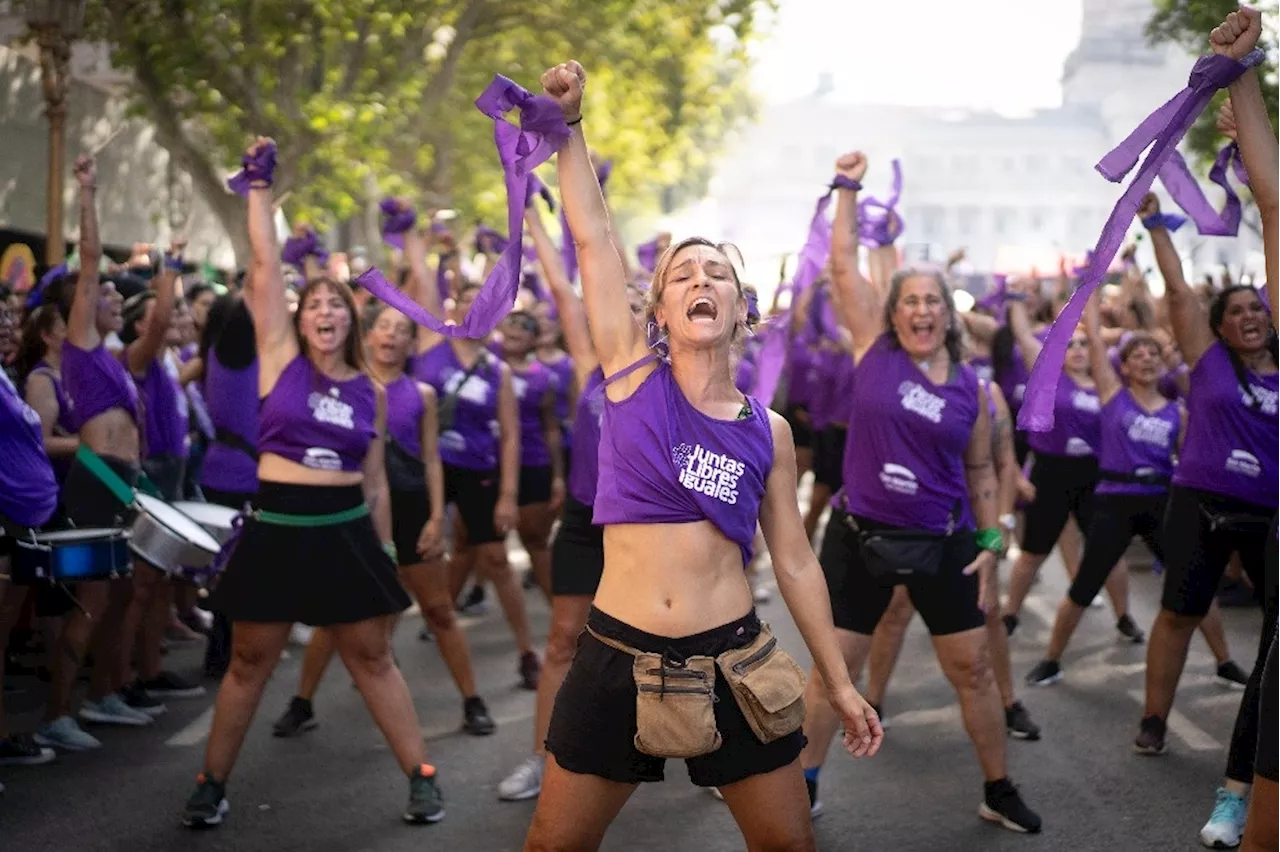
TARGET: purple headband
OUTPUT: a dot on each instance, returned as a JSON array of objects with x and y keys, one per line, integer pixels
[
  {"x": 397, "y": 219},
  {"x": 568, "y": 251},
  {"x": 541, "y": 133},
  {"x": 1162, "y": 130},
  {"x": 297, "y": 249},
  {"x": 260, "y": 166},
  {"x": 1187, "y": 194}
]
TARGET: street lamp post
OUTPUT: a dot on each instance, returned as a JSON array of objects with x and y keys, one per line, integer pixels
[{"x": 55, "y": 24}]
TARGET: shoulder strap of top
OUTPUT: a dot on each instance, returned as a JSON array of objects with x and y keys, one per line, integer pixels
[{"x": 624, "y": 372}]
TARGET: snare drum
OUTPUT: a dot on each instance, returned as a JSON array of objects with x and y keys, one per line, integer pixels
[
  {"x": 68, "y": 556},
  {"x": 216, "y": 520},
  {"x": 169, "y": 539}
]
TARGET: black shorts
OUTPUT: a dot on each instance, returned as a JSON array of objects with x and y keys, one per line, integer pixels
[
  {"x": 314, "y": 575},
  {"x": 535, "y": 485},
  {"x": 800, "y": 431},
  {"x": 577, "y": 553},
  {"x": 1117, "y": 518},
  {"x": 231, "y": 499},
  {"x": 475, "y": 494},
  {"x": 828, "y": 457},
  {"x": 593, "y": 725},
  {"x": 947, "y": 601},
  {"x": 1021, "y": 449},
  {"x": 1196, "y": 554},
  {"x": 410, "y": 511},
  {"x": 1064, "y": 486},
  {"x": 167, "y": 472},
  {"x": 89, "y": 503}
]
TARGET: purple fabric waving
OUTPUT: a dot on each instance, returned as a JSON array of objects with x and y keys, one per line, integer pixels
[
  {"x": 297, "y": 249},
  {"x": 1169, "y": 221},
  {"x": 541, "y": 133},
  {"x": 489, "y": 241},
  {"x": 771, "y": 360},
  {"x": 994, "y": 297},
  {"x": 36, "y": 297},
  {"x": 260, "y": 166},
  {"x": 397, "y": 218},
  {"x": 878, "y": 221},
  {"x": 568, "y": 251},
  {"x": 647, "y": 255},
  {"x": 537, "y": 187},
  {"x": 1162, "y": 130},
  {"x": 1187, "y": 194}
]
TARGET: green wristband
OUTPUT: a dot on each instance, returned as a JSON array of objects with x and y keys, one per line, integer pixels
[{"x": 990, "y": 539}]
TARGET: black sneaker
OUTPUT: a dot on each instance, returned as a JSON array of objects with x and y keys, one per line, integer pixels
[
  {"x": 1046, "y": 673},
  {"x": 474, "y": 603},
  {"x": 1010, "y": 623},
  {"x": 1001, "y": 803},
  {"x": 170, "y": 685},
  {"x": 884, "y": 720},
  {"x": 207, "y": 806},
  {"x": 22, "y": 750},
  {"x": 426, "y": 802},
  {"x": 1018, "y": 722},
  {"x": 298, "y": 719},
  {"x": 1150, "y": 739},
  {"x": 475, "y": 717},
  {"x": 424, "y": 635},
  {"x": 1231, "y": 675},
  {"x": 530, "y": 670},
  {"x": 135, "y": 695},
  {"x": 1129, "y": 630}
]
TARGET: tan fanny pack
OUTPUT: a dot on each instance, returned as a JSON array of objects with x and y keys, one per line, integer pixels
[{"x": 675, "y": 704}]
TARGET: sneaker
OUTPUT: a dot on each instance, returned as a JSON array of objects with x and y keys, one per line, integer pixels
[
  {"x": 426, "y": 804},
  {"x": 113, "y": 711},
  {"x": 298, "y": 719},
  {"x": 475, "y": 717},
  {"x": 135, "y": 695},
  {"x": 1001, "y": 803},
  {"x": 762, "y": 594},
  {"x": 424, "y": 635},
  {"x": 716, "y": 794},
  {"x": 1046, "y": 673},
  {"x": 1232, "y": 676},
  {"x": 1010, "y": 623},
  {"x": 474, "y": 603},
  {"x": 170, "y": 685},
  {"x": 884, "y": 720},
  {"x": 1129, "y": 630},
  {"x": 524, "y": 782},
  {"x": 1225, "y": 827},
  {"x": 815, "y": 804},
  {"x": 23, "y": 750},
  {"x": 207, "y": 806},
  {"x": 65, "y": 734},
  {"x": 300, "y": 634},
  {"x": 1150, "y": 740},
  {"x": 530, "y": 670},
  {"x": 1018, "y": 722}
]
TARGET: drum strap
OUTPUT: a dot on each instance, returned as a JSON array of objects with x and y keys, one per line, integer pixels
[
  {"x": 282, "y": 519},
  {"x": 108, "y": 477}
]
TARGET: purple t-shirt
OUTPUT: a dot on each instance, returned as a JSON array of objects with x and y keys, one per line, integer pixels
[
  {"x": 471, "y": 441},
  {"x": 317, "y": 421},
  {"x": 404, "y": 414},
  {"x": 232, "y": 399},
  {"x": 531, "y": 386},
  {"x": 165, "y": 408},
  {"x": 1077, "y": 422},
  {"x": 28, "y": 489},
  {"x": 96, "y": 382},
  {"x": 1137, "y": 442}
]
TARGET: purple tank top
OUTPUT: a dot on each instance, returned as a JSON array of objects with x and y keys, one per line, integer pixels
[
  {"x": 232, "y": 400},
  {"x": 586, "y": 440},
  {"x": 904, "y": 460},
  {"x": 64, "y": 425},
  {"x": 800, "y": 372},
  {"x": 664, "y": 462},
  {"x": 1077, "y": 422},
  {"x": 531, "y": 387},
  {"x": 1135, "y": 442},
  {"x": 1230, "y": 448},
  {"x": 472, "y": 439},
  {"x": 316, "y": 421},
  {"x": 165, "y": 410},
  {"x": 404, "y": 414},
  {"x": 562, "y": 367},
  {"x": 842, "y": 391},
  {"x": 28, "y": 489},
  {"x": 96, "y": 382}
]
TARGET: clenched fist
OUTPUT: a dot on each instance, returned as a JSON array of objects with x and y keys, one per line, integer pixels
[
  {"x": 1238, "y": 34},
  {"x": 852, "y": 166},
  {"x": 1150, "y": 206},
  {"x": 258, "y": 144},
  {"x": 85, "y": 171},
  {"x": 565, "y": 84}
]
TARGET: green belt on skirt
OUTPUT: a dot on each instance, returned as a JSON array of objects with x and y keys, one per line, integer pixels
[{"x": 333, "y": 519}]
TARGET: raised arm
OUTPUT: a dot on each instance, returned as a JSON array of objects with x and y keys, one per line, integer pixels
[
  {"x": 1020, "y": 320},
  {"x": 265, "y": 295},
  {"x": 148, "y": 346},
  {"x": 421, "y": 287},
  {"x": 859, "y": 300},
  {"x": 1187, "y": 314},
  {"x": 573, "y": 316},
  {"x": 1104, "y": 375},
  {"x": 82, "y": 330},
  {"x": 619, "y": 341}
]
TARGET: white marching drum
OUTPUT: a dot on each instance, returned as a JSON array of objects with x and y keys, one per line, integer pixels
[
  {"x": 169, "y": 539},
  {"x": 216, "y": 520}
]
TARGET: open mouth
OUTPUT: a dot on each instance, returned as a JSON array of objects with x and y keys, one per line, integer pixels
[
  {"x": 327, "y": 332},
  {"x": 1252, "y": 333},
  {"x": 703, "y": 309},
  {"x": 922, "y": 331}
]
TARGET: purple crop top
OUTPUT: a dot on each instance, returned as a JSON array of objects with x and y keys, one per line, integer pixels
[
  {"x": 316, "y": 421},
  {"x": 664, "y": 462},
  {"x": 96, "y": 382}
]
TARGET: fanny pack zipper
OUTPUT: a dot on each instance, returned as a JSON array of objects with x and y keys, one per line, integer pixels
[{"x": 765, "y": 650}]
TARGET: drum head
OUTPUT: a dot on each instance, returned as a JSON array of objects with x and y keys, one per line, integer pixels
[
  {"x": 208, "y": 514},
  {"x": 178, "y": 523},
  {"x": 79, "y": 535}
]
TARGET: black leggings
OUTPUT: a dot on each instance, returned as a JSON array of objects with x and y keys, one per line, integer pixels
[
  {"x": 1245, "y": 747},
  {"x": 1064, "y": 488},
  {"x": 1117, "y": 518}
]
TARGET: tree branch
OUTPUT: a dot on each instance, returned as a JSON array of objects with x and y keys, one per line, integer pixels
[
  {"x": 354, "y": 57},
  {"x": 437, "y": 88}
]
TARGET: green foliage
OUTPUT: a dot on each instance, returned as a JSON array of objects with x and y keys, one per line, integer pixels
[{"x": 366, "y": 97}]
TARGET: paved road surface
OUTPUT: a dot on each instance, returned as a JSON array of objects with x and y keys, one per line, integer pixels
[{"x": 337, "y": 788}]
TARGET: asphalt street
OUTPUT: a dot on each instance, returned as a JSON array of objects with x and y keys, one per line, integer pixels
[{"x": 337, "y": 788}]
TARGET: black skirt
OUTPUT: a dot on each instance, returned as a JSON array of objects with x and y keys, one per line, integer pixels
[{"x": 314, "y": 575}]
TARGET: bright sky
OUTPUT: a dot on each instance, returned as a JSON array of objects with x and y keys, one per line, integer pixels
[{"x": 974, "y": 53}]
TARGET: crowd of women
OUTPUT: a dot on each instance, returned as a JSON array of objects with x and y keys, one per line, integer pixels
[{"x": 369, "y": 455}]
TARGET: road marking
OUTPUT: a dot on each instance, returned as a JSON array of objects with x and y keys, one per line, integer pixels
[
  {"x": 948, "y": 715},
  {"x": 1192, "y": 735},
  {"x": 195, "y": 732},
  {"x": 1041, "y": 608}
]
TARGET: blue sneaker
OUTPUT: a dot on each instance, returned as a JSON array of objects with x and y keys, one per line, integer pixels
[{"x": 1225, "y": 827}]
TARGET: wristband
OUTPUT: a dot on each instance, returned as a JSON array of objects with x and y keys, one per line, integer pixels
[
  {"x": 842, "y": 182},
  {"x": 173, "y": 263},
  {"x": 577, "y": 120},
  {"x": 389, "y": 548},
  {"x": 990, "y": 539}
]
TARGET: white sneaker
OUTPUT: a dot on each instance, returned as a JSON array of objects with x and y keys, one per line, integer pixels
[
  {"x": 65, "y": 734},
  {"x": 524, "y": 782},
  {"x": 762, "y": 594},
  {"x": 300, "y": 634},
  {"x": 112, "y": 710},
  {"x": 1225, "y": 827}
]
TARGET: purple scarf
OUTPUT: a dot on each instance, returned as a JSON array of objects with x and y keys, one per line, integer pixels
[
  {"x": 878, "y": 221},
  {"x": 1187, "y": 194},
  {"x": 260, "y": 166},
  {"x": 1162, "y": 130},
  {"x": 397, "y": 219},
  {"x": 568, "y": 251},
  {"x": 541, "y": 133},
  {"x": 995, "y": 296},
  {"x": 297, "y": 249},
  {"x": 537, "y": 187}
]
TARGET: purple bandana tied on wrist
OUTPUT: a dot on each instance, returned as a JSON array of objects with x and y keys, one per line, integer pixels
[
  {"x": 260, "y": 166},
  {"x": 297, "y": 249},
  {"x": 1169, "y": 221},
  {"x": 1162, "y": 130},
  {"x": 541, "y": 133},
  {"x": 398, "y": 218}
]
